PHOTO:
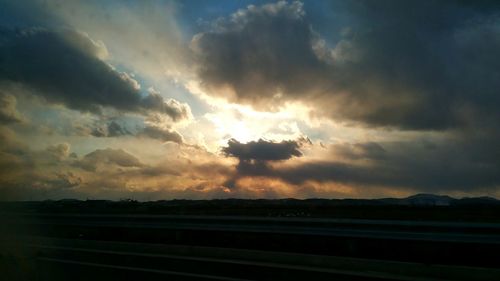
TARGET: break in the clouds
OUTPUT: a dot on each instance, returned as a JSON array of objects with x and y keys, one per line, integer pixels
[{"x": 217, "y": 99}]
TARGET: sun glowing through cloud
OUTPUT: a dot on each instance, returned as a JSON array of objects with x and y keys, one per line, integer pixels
[
  {"x": 244, "y": 124},
  {"x": 116, "y": 99}
]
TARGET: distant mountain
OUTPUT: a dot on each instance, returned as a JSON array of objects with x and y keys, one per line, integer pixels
[
  {"x": 424, "y": 199},
  {"x": 416, "y": 207},
  {"x": 485, "y": 200}
]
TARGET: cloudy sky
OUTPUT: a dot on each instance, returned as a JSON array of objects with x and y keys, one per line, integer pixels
[{"x": 248, "y": 99}]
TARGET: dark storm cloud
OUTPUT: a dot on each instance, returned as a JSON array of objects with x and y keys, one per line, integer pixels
[
  {"x": 262, "y": 150},
  {"x": 112, "y": 129},
  {"x": 420, "y": 64},
  {"x": 443, "y": 166},
  {"x": 176, "y": 110},
  {"x": 66, "y": 67},
  {"x": 162, "y": 134},
  {"x": 115, "y": 129},
  {"x": 411, "y": 64},
  {"x": 99, "y": 132},
  {"x": 432, "y": 65},
  {"x": 255, "y": 156},
  {"x": 259, "y": 52},
  {"x": 368, "y": 150}
]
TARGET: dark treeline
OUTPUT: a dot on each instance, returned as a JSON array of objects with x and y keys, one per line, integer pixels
[{"x": 418, "y": 207}]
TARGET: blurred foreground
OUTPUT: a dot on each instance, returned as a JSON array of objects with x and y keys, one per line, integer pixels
[{"x": 424, "y": 238}]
